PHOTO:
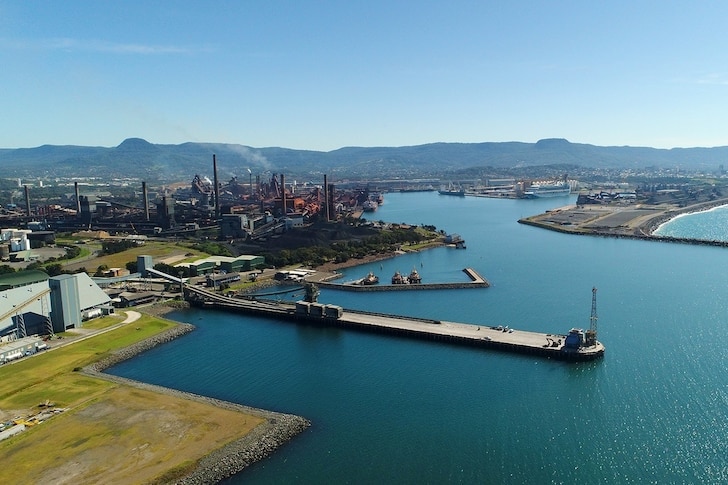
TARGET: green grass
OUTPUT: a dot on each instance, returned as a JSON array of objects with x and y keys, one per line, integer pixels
[
  {"x": 110, "y": 432},
  {"x": 100, "y": 323},
  {"x": 17, "y": 381},
  {"x": 154, "y": 249}
]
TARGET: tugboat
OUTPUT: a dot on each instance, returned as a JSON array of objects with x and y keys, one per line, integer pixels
[
  {"x": 370, "y": 279},
  {"x": 414, "y": 277},
  {"x": 399, "y": 279}
]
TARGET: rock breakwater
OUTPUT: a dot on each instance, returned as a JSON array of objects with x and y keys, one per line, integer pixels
[{"x": 219, "y": 464}]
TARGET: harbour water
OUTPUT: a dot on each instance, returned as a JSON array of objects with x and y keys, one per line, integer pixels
[
  {"x": 393, "y": 410},
  {"x": 711, "y": 225}
]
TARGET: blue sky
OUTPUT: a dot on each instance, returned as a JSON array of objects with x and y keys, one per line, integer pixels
[{"x": 321, "y": 75}]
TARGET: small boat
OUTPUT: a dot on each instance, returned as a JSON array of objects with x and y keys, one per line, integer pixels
[{"x": 414, "y": 277}]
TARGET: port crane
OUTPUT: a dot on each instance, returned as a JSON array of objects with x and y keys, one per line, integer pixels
[{"x": 591, "y": 334}]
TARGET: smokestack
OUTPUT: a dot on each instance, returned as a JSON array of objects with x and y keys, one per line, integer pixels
[
  {"x": 217, "y": 189},
  {"x": 146, "y": 201},
  {"x": 283, "y": 195},
  {"x": 27, "y": 200},
  {"x": 330, "y": 202},
  {"x": 250, "y": 175},
  {"x": 78, "y": 199},
  {"x": 326, "y": 198}
]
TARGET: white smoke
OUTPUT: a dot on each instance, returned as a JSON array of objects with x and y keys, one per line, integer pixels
[{"x": 254, "y": 157}]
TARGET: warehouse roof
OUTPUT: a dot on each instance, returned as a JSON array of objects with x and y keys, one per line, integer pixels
[{"x": 22, "y": 278}]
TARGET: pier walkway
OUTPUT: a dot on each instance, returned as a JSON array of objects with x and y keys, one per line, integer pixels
[{"x": 499, "y": 338}]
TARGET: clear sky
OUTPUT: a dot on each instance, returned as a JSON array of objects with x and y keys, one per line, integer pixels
[{"x": 321, "y": 75}]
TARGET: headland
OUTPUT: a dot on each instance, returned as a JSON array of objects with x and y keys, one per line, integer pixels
[{"x": 621, "y": 220}]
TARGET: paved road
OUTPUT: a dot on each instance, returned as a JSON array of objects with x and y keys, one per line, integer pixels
[{"x": 131, "y": 316}]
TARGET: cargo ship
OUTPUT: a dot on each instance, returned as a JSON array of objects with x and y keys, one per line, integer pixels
[{"x": 452, "y": 190}]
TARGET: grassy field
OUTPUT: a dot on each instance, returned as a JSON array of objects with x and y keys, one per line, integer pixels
[
  {"x": 120, "y": 433},
  {"x": 158, "y": 250},
  {"x": 31, "y": 376}
]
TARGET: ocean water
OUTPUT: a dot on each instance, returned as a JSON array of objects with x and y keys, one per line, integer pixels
[
  {"x": 710, "y": 225},
  {"x": 393, "y": 410}
]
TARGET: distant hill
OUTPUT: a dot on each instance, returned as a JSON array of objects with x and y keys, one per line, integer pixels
[{"x": 138, "y": 158}]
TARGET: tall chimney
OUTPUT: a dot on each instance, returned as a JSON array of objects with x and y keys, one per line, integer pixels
[
  {"x": 283, "y": 195},
  {"x": 326, "y": 198},
  {"x": 217, "y": 188},
  {"x": 146, "y": 201},
  {"x": 27, "y": 200},
  {"x": 78, "y": 199},
  {"x": 250, "y": 176},
  {"x": 332, "y": 208}
]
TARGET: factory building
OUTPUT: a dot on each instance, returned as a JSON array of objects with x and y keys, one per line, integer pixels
[
  {"x": 216, "y": 280},
  {"x": 234, "y": 226},
  {"x": 224, "y": 263},
  {"x": 31, "y": 303}
]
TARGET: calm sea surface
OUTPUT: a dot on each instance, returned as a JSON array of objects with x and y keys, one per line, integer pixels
[
  {"x": 711, "y": 225},
  {"x": 392, "y": 410}
]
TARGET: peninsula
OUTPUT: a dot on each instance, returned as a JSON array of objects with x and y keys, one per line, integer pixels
[{"x": 624, "y": 219}]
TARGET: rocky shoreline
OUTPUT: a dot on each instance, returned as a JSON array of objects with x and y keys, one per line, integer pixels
[{"x": 277, "y": 430}]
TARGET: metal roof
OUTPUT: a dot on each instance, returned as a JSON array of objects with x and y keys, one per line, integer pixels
[{"x": 22, "y": 278}]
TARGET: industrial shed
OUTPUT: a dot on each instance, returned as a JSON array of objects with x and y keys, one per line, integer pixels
[
  {"x": 225, "y": 263},
  {"x": 128, "y": 298},
  {"x": 243, "y": 263}
]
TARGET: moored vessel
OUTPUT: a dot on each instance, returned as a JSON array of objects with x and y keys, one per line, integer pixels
[
  {"x": 369, "y": 206},
  {"x": 451, "y": 189},
  {"x": 399, "y": 279},
  {"x": 414, "y": 277},
  {"x": 370, "y": 279}
]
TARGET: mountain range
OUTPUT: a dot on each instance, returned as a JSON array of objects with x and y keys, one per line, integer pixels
[{"x": 137, "y": 158}]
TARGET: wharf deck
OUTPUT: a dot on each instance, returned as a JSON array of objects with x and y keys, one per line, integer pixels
[
  {"x": 476, "y": 281},
  {"x": 511, "y": 340}
]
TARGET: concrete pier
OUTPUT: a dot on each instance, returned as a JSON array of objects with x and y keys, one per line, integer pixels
[
  {"x": 490, "y": 337},
  {"x": 476, "y": 281}
]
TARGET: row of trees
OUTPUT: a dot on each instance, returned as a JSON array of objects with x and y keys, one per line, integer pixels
[
  {"x": 341, "y": 251},
  {"x": 50, "y": 265}
]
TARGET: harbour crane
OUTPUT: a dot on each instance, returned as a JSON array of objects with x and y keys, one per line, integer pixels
[{"x": 591, "y": 334}]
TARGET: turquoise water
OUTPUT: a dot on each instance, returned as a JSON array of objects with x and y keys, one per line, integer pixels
[
  {"x": 388, "y": 409},
  {"x": 711, "y": 225}
]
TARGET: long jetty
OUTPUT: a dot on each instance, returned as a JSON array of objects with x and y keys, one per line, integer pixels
[
  {"x": 476, "y": 281},
  {"x": 489, "y": 337}
]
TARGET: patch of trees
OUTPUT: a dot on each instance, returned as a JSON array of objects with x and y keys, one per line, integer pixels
[
  {"x": 213, "y": 248},
  {"x": 341, "y": 251},
  {"x": 53, "y": 269},
  {"x": 113, "y": 247},
  {"x": 6, "y": 269},
  {"x": 172, "y": 270}
]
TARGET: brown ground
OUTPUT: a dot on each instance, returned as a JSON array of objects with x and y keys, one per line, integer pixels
[{"x": 150, "y": 434}]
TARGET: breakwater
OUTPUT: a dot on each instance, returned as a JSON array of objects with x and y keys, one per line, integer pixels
[{"x": 231, "y": 459}]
